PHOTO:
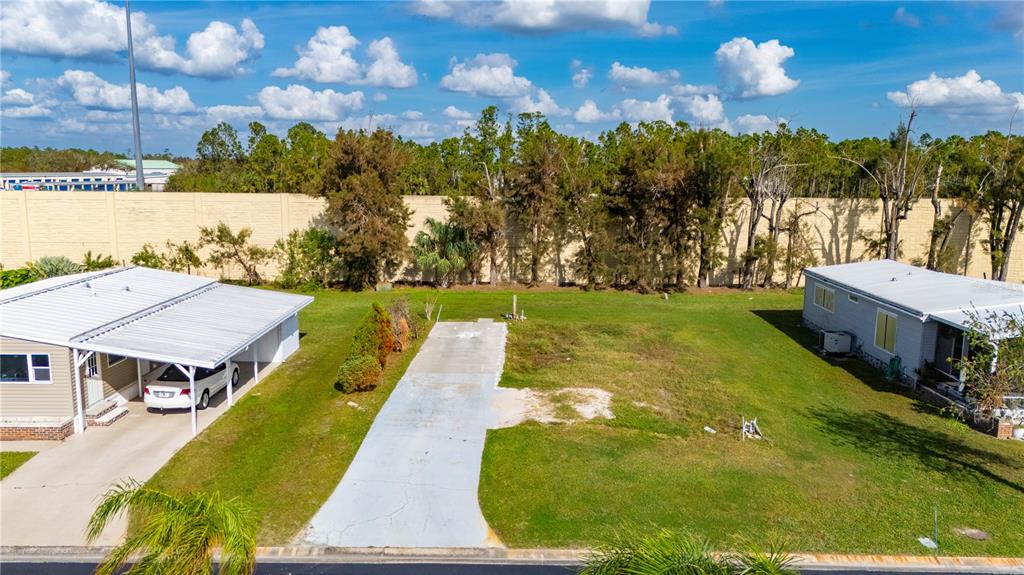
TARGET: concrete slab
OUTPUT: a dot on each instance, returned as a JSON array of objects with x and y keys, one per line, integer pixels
[
  {"x": 414, "y": 480},
  {"x": 48, "y": 500}
]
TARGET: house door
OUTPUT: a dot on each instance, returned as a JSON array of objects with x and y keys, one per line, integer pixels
[{"x": 93, "y": 379}]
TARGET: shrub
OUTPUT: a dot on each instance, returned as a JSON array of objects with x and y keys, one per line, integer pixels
[
  {"x": 404, "y": 324},
  {"x": 359, "y": 373},
  {"x": 148, "y": 257},
  {"x": 308, "y": 258},
  {"x": 16, "y": 277},
  {"x": 374, "y": 336},
  {"x": 98, "y": 262},
  {"x": 228, "y": 248},
  {"x": 53, "y": 266}
]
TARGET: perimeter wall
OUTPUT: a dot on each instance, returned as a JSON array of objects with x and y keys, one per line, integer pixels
[{"x": 35, "y": 224}]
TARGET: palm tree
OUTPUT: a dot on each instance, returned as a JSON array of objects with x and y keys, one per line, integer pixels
[
  {"x": 444, "y": 248},
  {"x": 178, "y": 534}
]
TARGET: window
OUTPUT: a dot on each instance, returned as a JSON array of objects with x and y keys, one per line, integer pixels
[
  {"x": 25, "y": 368},
  {"x": 92, "y": 367},
  {"x": 824, "y": 298},
  {"x": 113, "y": 360},
  {"x": 853, "y": 298},
  {"x": 885, "y": 331}
]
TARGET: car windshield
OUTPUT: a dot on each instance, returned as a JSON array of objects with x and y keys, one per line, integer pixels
[{"x": 172, "y": 373}]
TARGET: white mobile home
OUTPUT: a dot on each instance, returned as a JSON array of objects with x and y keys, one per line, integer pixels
[
  {"x": 74, "y": 349},
  {"x": 892, "y": 310}
]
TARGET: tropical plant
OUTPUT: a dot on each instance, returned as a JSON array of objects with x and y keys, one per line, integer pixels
[
  {"x": 229, "y": 248},
  {"x": 98, "y": 262},
  {"x": 53, "y": 266},
  {"x": 668, "y": 552},
  {"x": 177, "y": 534},
  {"x": 16, "y": 277},
  {"x": 444, "y": 248}
]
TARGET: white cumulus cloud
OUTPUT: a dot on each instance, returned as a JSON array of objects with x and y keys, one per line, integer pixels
[
  {"x": 756, "y": 124},
  {"x": 544, "y": 104},
  {"x": 581, "y": 75},
  {"x": 91, "y": 91},
  {"x": 328, "y": 57},
  {"x": 588, "y": 113},
  {"x": 705, "y": 110},
  {"x": 17, "y": 97},
  {"x": 640, "y": 77},
  {"x": 228, "y": 113},
  {"x": 648, "y": 110},
  {"x": 488, "y": 75},
  {"x": 902, "y": 16},
  {"x": 297, "y": 102},
  {"x": 548, "y": 16},
  {"x": 94, "y": 29},
  {"x": 747, "y": 70},
  {"x": 966, "y": 95},
  {"x": 457, "y": 114}
]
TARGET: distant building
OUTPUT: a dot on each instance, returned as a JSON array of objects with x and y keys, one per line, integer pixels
[
  {"x": 96, "y": 181},
  {"x": 120, "y": 178}
]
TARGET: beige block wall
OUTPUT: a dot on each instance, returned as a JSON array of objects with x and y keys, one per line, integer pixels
[
  {"x": 28, "y": 401},
  {"x": 36, "y": 224}
]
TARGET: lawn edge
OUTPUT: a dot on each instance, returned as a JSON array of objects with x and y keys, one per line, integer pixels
[{"x": 570, "y": 557}]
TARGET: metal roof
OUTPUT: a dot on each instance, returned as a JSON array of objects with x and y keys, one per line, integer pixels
[
  {"x": 927, "y": 294},
  {"x": 149, "y": 164},
  {"x": 147, "y": 313}
]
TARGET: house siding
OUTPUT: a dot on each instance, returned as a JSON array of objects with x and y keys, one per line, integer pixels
[
  {"x": 858, "y": 318},
  {"x": 121, "y": 379},
  {"x": 25, "y": 402}
]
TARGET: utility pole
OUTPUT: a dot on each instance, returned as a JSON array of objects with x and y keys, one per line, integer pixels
[{"x": 140, "y": 180}]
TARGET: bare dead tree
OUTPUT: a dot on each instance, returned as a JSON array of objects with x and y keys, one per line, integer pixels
[{"x": 898, "y": 178}]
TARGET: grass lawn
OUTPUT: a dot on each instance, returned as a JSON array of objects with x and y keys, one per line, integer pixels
[
  {"x": 11, "y": 460},
  {"x": 850, "y": 464}
]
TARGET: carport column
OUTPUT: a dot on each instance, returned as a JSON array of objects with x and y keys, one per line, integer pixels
[
  {"x": 79, "y": 419},
  {"x": 255, "y": 366},
  {"x": 230, "y": 377},
  {"x": 190, "y": 371},
  {"x": 138, "y": 373}
]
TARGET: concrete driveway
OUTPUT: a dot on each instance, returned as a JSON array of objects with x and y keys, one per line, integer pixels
[
  {"x": 413, "y": 482},
  {"x": 48, "y": 500}
]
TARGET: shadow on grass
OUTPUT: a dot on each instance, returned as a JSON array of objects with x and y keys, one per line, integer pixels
[
  {"x": 883, "y": 435},
  {"x": 789, "y": 322}
]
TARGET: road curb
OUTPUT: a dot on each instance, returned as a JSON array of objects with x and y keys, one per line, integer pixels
[{"x": 569, "y": 557}]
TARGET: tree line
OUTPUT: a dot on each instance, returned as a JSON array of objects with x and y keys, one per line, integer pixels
[{"x": 36, "y": 159}]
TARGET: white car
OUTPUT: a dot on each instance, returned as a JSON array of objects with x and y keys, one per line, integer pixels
[{"x": 166, "y": 387}]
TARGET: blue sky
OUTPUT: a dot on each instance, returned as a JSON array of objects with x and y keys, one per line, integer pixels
[{"x": 425, "y": 69}]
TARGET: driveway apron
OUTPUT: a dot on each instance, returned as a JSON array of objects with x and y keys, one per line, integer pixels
[{"x": 413, "y": 482}]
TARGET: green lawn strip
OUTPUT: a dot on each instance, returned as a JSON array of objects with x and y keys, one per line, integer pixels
[
  {"x": 11, "y": 460},
  {"x": 286, "y": 444},
  {"x": 851, "y": 464}
]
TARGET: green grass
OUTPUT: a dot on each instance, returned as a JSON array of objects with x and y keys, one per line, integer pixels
[
  {"x": 11, "y": 460},
  {"x": 850, "y": 463}
]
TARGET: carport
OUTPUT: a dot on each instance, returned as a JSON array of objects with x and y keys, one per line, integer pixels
[{"x": 151, "y": 315}]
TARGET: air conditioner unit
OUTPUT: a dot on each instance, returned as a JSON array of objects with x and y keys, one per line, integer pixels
[{"x": 836, "y": 341}]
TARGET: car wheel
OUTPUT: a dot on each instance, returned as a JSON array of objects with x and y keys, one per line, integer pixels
[
  {"x": 204, "y": 401},
  {"x": 234, "y": 378}
]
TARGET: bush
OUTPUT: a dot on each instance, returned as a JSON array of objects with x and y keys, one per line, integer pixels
[
  {"x": 16, "y": 277},
  {"x": 53, "y": 266},
  {"x": 98, "y": 262},
  {"x": 359, "y": 373},
  {"x": 404, "y": 325},
  {"x": 308, "y": 258},
  {"x": 374, "y": 336}
]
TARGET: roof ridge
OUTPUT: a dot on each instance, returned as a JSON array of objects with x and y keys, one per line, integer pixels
[
  {"x": 155, "y": 308},
  {"x": 61, "y": 285}
]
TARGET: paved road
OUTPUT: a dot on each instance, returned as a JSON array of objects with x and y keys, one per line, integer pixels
[
  {"x": 48, "y": 500},
  {"x": 413, "y": 482}
]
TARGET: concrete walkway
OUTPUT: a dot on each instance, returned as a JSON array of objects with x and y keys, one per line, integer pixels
[
  {"x": 48, "y": 500},
  {"x": 413, "y": 482}
]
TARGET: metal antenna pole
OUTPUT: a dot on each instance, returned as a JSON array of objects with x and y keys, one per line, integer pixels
[{"x": 140, "y": 181}]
